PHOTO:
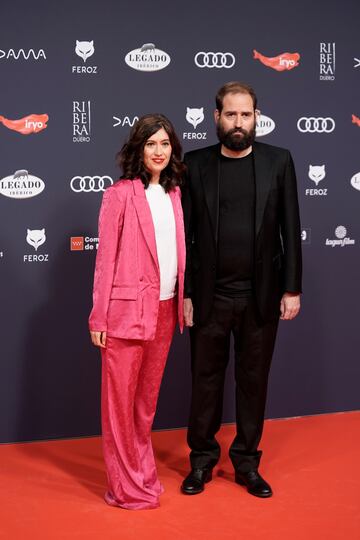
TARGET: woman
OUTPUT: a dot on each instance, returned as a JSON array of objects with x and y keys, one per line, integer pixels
[{"x": 138, "y": 294}]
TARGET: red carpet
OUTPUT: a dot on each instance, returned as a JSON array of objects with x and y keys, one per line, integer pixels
[{"x": 53, "y": 490}]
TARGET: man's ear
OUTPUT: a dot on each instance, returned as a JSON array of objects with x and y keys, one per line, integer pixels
[
  {"x": 257, "y": 114},
  {"x": 216, "y": 115}
]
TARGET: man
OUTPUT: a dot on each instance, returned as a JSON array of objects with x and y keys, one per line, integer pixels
[{"x": 243, "y": 273}]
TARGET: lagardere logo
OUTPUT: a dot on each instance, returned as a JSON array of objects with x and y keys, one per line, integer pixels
[
  {"x": 264, "y": 125},
  {"x": 342, "y": 240},
  {"x": 21, "y": 185},
  {"x": 33, "y": 123},
  {"x": 147, "y": 58}
]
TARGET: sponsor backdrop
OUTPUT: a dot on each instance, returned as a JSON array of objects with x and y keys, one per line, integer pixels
[{"x": 74, "y": 79}]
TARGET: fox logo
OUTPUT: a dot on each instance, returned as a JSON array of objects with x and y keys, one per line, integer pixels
[{"x": 36, "y": 238}]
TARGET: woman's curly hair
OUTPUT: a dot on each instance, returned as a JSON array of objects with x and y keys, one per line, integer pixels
[{"x": 130, "y": 157}]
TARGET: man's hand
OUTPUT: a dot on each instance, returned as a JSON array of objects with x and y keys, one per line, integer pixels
[
  {"x": 289, "y": 306},
  {"x": 98, "y": 339},
  {"x": 188, "y": 312}
]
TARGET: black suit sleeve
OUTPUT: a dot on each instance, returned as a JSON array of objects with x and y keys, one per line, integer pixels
[
  {"x": 291, "y": 230},
  {"x": 188, "y": 223}
]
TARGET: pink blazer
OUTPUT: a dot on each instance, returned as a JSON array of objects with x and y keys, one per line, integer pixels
[{"x": 127, "y": 276}]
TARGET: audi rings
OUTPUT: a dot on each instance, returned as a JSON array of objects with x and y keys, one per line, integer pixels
[
  {"x": 316, "y": 125},
  {"x": 86, "y": 184},
  {"x": 214, "y": 60}
]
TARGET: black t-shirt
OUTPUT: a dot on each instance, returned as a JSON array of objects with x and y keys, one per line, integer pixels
[{"x": 235, "y": 256}]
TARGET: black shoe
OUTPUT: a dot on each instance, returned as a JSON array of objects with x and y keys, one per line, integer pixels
[
  {"x": 195, "y": 482},
  {"x": 255, "y": 484}
]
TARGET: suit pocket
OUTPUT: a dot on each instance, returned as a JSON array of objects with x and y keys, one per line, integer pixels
[{"x": 124, "y": 293}]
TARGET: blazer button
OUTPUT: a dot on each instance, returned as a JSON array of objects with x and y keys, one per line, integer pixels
[{"x": 141, "y": 278}]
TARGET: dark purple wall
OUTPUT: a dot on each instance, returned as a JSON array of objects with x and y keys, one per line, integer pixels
[{"x": 49, "y": 372}]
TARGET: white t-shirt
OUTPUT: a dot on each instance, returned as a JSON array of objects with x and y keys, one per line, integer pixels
[{"x": 165, "y": 234}]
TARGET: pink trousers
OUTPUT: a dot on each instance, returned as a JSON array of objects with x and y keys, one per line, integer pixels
[{"x": 131, "y": 377}]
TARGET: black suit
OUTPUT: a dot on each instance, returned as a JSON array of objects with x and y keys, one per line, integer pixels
[{"x": 277, "y": 268}]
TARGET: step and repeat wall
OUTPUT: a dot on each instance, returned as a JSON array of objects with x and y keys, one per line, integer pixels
[{"x": 75, "y": 76}]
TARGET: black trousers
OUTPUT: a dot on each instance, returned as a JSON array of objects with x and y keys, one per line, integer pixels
[{"x": 210, "y": 347}]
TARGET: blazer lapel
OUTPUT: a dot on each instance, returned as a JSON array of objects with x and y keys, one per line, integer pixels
[
  {"x": 210, "y": 176},
  {"x": 263, "y": 174},
  {"x": 145, "y": 219}
]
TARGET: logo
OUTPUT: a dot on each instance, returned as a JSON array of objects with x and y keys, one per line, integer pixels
[
  {"x": 33, "y": 123},
  {"x": 21, "y": 185},
  {"x": 84, "y": 243},
  {"x": 327, "y": 62},
  {"x": 316, "y": 125},
  {"x": 316, "y": 174},
  {"x": 36, "y": 238},
  {"x": 86, "y": 184},
  {"x": 264, "y": 125},
  {"x": 282, "y": 62},
  {"x": 355, "y": 181},
  {"x": 357, "y": 62},
  {"x": 84, "y": 49},
  {"x": 195, "y": 116},
  {"x": 81, "y": 121},
  {"x": 355, "y": 120},
  {"x": 122, "y": 122},
  {"x": 77, "y": 243},
  {"x": 341, "y": 239},
  {"x": 22, "y": 54},
  {"x": 147, "y": 58},
  {"x": 1, "y": 254},
  {"x": 214, "y": 60},
  {"x": 306, "y": 236}
]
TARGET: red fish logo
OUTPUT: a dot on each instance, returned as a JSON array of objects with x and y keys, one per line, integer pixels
[
  {"x": 283, "y": 62},
  {"x": 33, "y": 123},
  {"x": 355, "y": 120}
]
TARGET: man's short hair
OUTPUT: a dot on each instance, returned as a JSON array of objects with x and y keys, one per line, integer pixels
[{"x": 234, "y": 87}]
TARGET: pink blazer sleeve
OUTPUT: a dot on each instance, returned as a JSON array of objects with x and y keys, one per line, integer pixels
[{"x": 110, "y": 227}]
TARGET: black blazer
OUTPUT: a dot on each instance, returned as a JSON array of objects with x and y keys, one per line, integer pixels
[{"x": 277, "y": 266}]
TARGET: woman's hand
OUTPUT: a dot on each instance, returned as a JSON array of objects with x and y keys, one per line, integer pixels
[
  {"x": 188, "y": 312},
  {"x": 98, "y": 339}
]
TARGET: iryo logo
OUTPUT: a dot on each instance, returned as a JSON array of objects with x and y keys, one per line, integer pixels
[
  {"x": 33, "y": 123},
  {"x": 282, "y": 62}
]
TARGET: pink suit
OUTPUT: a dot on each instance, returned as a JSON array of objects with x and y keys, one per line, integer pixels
[{"x": 139, "y": 332}]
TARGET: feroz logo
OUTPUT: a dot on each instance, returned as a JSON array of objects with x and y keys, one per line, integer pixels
[
  {"x": 357, "y": 62},
  {"x": 84, "y": 49},
  {"x": 306, "y": 236},
  {"x": 341, "y": 239},
  {"x": 282, "y": 62},
  {"x": 355, "y": 120},
  {"x": 327, "y": 62},
  {"x": 316, "y": 125},
  {"x": 33, "y": 123},
  {"x": 36, "y": 238},
  {"x": 316, "y": 174},
  {"x": 195, "y": 116},
  {"x": 21, "y": 185},
  {"x": 122, "y": 122},
  {"x": 86, "y": 184},
  {"x": 264, "y": 125},
  {"x": 21, "y": 54},
  {"x": 84, "y": 243},
  {"x": 355, "y": 181},
  {"x": 81, "y": 121},
  {"x": 214, "y": 59},
  {"x": 147, "y": 58}
]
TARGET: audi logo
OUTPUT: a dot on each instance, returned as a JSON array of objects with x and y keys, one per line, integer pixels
[
  {"x": 86, "y": 184},
  {"x": 214, "y": 60},
  {"x": 316, "y": 125}
]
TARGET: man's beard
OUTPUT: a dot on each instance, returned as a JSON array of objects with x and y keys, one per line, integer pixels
[{"x": 235, "y": 142}]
